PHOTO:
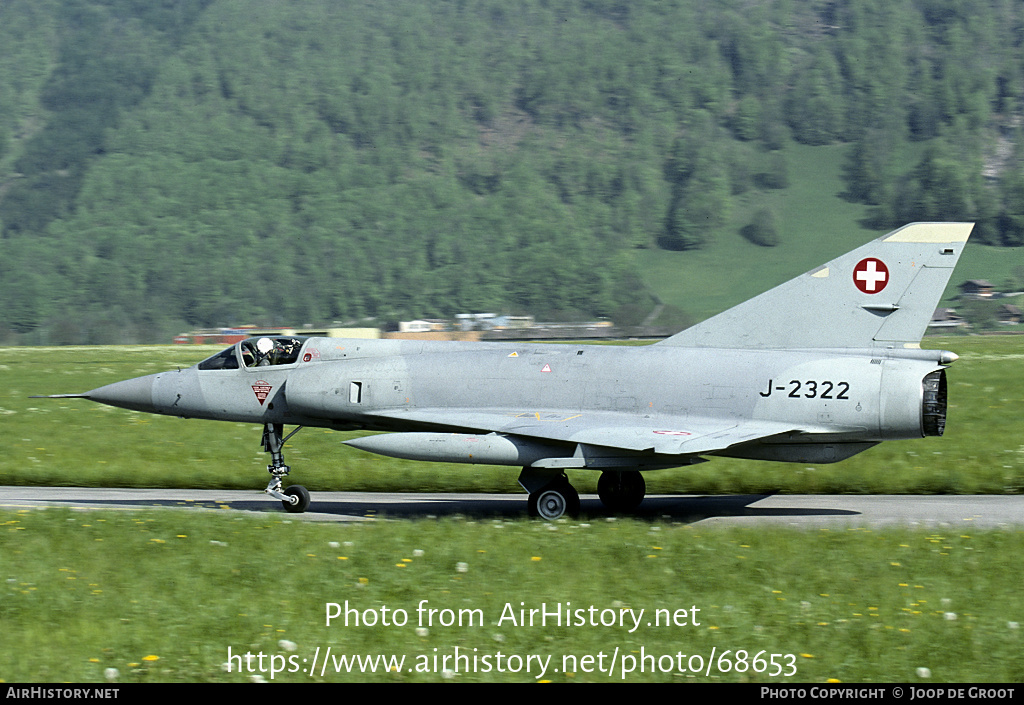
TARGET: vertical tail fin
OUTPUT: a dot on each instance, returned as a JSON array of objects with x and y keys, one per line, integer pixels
[{"x": 881, "y": 294}]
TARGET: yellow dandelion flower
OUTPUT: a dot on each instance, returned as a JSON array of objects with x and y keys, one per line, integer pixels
[{"x": 151, "y": 658}]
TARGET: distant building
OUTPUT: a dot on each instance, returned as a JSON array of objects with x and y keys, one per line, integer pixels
[
  {"x": 464, "y": 335},
  {"x": 475, "y": 321},
  {"x": 213, "y": 336},
  {"x": 492, "y": 321},
  {"x": 517, "y": 322},
  {"x": 946, "y": 318},
  {"x": 428, "y": 325},
  {"x": 1010, "y": 314},
  {"x": 976, "y": 289},
  {"x": 230, "y": 336}
]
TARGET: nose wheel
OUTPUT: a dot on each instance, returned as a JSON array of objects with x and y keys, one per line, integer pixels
[
  {"x": 295, "y": 499},
  {"x": 298, "y": 499}
]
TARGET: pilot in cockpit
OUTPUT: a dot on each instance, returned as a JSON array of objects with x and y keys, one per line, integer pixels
[{"x": 264, "y": 348}]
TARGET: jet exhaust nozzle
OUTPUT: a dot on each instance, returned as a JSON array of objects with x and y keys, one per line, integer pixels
[{"x": 933, "y": 407}]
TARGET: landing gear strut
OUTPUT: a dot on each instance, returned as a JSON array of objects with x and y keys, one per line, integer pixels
[{"x": 296, "y": 498}]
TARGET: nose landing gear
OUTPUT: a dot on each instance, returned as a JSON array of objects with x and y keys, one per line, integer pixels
[{"x": 296, "y": 498}]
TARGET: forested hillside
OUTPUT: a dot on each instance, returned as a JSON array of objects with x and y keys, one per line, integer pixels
[{"x": 220, "y": 162}]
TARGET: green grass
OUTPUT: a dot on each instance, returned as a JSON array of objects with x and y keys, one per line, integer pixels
[
  {"x": 76, "y": 442},
  {"x": 86, "y": 591}
]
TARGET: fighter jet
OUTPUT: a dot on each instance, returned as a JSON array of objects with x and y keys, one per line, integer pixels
[{"x": 815, "y": 370}]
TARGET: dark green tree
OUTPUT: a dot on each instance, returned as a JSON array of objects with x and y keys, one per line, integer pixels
[{"x": 762, "y": 229}]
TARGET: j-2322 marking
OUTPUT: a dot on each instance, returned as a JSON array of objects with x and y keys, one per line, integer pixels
[{"x": 817, "y": 390}]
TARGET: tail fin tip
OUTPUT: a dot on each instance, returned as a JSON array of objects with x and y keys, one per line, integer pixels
[{"x": 931, "y": 233}]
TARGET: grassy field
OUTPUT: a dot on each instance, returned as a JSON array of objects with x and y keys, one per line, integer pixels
[
  {"x": 161, "y": 595},
  {"x": 76, "y": 442},
  {"x": 814, "y": 224}
]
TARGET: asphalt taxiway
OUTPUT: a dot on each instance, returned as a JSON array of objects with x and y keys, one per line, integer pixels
[{"x": 980, "y": 511}]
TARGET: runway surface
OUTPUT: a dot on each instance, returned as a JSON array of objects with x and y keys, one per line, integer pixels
[{"x": 979, "y": 511}]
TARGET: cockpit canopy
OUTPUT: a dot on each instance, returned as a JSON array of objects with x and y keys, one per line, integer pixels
[{"x": 256, "y": 352}]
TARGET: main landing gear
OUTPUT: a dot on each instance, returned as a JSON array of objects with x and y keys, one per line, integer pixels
[
  {"x": 621, "y": 491},
  {"x": 296, "y": 498},
  {"x": 553, "y": 500},
  {"x": 551, "y": 495}
]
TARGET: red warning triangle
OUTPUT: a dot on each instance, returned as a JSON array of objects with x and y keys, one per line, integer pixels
[{"x": 546, "y": 368}]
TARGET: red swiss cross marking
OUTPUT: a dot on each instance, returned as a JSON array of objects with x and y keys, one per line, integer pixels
[{"x": 870, "y": 275}]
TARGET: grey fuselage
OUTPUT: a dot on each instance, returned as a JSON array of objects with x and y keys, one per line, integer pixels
[{"x": 845, "y": 399}]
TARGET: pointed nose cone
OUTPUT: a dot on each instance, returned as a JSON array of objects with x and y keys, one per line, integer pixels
[{"x": 135, "y": 394}]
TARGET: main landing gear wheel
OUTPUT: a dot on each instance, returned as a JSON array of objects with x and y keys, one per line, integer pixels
[
  {"x": 295, "y": 499},
  {"x": 554, "y": 501},
  {"x": 621, "y": 491}
]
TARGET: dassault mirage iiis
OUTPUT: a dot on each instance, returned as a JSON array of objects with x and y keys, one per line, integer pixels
[{"x": 813, "y": 371}]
